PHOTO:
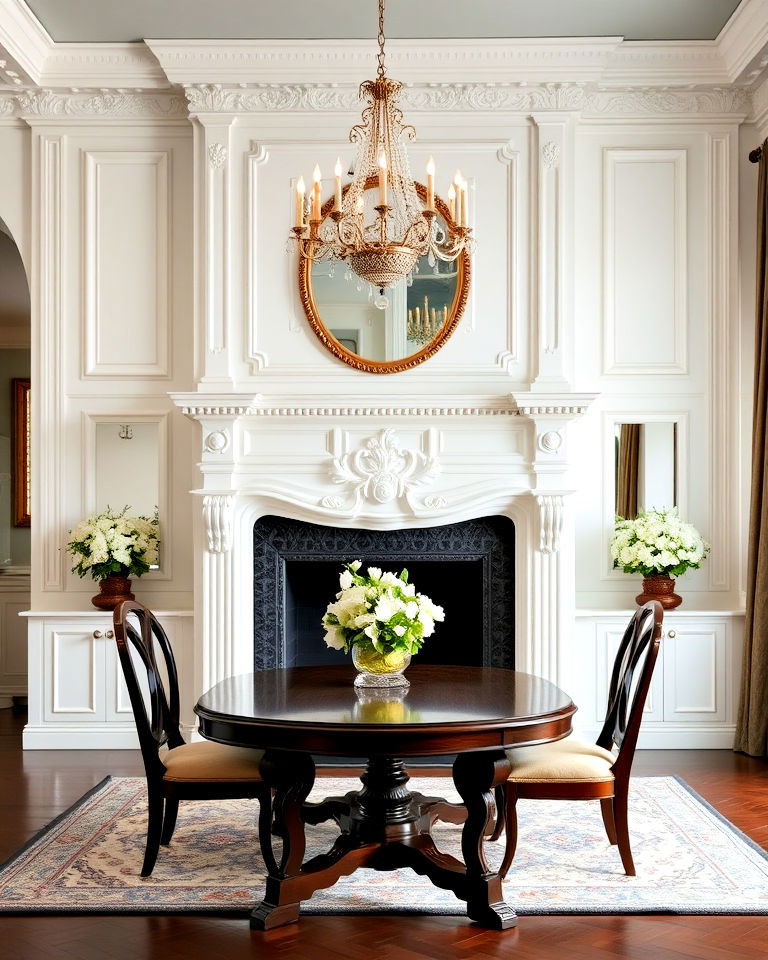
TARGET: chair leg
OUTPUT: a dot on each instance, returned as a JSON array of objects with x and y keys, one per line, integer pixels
[
  {"x": 606, "y": 808},
  {"x": 169, "y": 820},
  {"x": 154, "y": 831},
  {"x": 500, "y": 813},
  {"x": 622, "y": 828},
  {"x": 510, "y": 822}
]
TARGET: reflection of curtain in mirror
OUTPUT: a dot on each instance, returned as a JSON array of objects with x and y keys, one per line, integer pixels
[{"x": 627, "y": 462}]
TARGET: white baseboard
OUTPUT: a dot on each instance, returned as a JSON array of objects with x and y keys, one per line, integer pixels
[{"x": 73, "y": 737}]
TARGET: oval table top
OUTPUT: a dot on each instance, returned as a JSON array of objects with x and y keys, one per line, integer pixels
[{"x": 446, "y": 709}]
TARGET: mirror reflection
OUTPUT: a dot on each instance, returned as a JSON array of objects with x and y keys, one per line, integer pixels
[
  {"x": 390, "y": 324},
  {"x": 127, "y": 467},
  {"x": 646, "y": 467}
]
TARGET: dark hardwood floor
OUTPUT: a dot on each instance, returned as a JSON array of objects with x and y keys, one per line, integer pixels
[{"x": 37, "y": 785}]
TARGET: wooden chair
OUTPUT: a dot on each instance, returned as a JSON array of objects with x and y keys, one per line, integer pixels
[
  {"x": 571, "y": 770},
  {"x": 186, "y": 771}
]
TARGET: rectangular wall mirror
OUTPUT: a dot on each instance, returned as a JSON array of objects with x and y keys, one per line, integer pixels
[
  {"x": 128, "y": 466},
  {"x": 646, "y": 467}
]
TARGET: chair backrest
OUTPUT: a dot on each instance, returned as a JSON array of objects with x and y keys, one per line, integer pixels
[
  {"x": 638, "y": 650},
  {"x": 138, "y": 628}
]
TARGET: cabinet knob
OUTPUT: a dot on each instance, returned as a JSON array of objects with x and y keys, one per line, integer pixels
[
  {"x": 97, "y": 634},
  {"x": 671, "y": 634},
  {"x": 109, "y": 635}
]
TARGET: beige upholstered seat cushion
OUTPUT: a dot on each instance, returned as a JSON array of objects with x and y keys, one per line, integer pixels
[
  {"x": 211, "y": 761},
  {"x": 569, "y": 760}
]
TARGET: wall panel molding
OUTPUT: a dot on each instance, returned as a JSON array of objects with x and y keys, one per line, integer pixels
[
  {"x": 112, "y": 287},
  {"x": 723, "y": 271},
  {"x": 622, "y": 252},
  {"x": 256, "y": 156},
  {"x": 49, "y": 211}
]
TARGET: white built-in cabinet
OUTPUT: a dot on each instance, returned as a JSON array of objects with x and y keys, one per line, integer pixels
[
  {"x": 78, "y": 698},
  {"x": 694, "y": 694},
  {"x": 14, "y": 598}
]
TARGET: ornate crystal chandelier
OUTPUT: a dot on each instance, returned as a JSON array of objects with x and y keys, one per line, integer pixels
[{"x": 382, "y": 241}]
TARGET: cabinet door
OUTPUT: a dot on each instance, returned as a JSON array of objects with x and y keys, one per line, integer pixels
[
  {"x": 74, "y": 672},
  {"x": 609, "y": 638},
  {"x": 118, "y": 704},
  {"x": 695, "y": 667},
  {"x": 13, "y": 646}
]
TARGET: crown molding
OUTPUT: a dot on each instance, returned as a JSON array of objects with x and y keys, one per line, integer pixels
[
  {"x": 743, "y": 42},
  {"x": 723, "y": 101},
  {"x": 738, "y": 55},
  {"x": 80, "y": 105},
  {"x": 350, "y": 61},
  {"x": 102, "y": 65},
  {"x": 23, "y": 39},
  {"x": 481, "y": 98},
  {"x": 637, "y": 62},
  {"x": 589, "y": 100},
  {"x": 759, "y": 115}
]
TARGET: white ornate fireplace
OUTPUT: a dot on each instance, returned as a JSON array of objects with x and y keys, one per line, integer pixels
[{"x": 385, "y": 467}]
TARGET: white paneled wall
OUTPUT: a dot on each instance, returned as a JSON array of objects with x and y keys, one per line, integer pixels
[
  {"x": 608, "y": 233},
  {"x": 656, "y": 295},
  {"x": 127, "y": 240}
]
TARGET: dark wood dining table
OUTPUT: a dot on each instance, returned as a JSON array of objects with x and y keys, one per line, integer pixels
[{"x": 292, "y": 714}]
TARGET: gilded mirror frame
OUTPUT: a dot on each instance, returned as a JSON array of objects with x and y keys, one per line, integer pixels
[{"x": 460, "y": 297}]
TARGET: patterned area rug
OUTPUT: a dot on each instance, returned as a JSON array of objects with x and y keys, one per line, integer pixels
[{"x": 689, "y": 860}]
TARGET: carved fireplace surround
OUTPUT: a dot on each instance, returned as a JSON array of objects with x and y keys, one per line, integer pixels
[{"x": 389, "y": 466}]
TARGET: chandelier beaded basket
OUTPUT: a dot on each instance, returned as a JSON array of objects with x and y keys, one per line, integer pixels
[{"x": 381, "y": 242}]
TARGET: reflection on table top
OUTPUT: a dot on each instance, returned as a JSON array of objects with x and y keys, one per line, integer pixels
[{"x": 325, "y": 696}]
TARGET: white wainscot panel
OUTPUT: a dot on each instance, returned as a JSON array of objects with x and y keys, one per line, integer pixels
[
  {"x": 75, "y": 691},
  {"x": 695, "y": 673},
  {"x": 645, "y": 261},
  {"x": 487, "y": 341},
  {"x": 126, "y": 263},
  {"x": 13, "y": 648},
  {"x": 610, "y": 635}
]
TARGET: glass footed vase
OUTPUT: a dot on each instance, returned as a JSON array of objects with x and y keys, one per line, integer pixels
[{"x": 378, "y": 669}]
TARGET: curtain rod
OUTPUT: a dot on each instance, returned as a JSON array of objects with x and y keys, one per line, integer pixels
[{"x": 754, "y": 155}]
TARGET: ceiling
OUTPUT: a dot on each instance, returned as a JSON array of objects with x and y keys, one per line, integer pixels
[{"x": 131, "y": 20}]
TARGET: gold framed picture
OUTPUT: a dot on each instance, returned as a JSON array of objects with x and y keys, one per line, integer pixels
[{"x": 22, "y": 489}]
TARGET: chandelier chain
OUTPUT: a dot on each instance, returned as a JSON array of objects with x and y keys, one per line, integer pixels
[{"x": 382, "y": 40}]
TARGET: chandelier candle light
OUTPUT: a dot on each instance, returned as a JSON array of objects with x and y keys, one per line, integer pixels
[{"x": 381, "y": 245}]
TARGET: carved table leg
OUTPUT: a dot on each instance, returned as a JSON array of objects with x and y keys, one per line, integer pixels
[
  {"x": 291, "y": 776},
  {"x": 476, "y": 775}
]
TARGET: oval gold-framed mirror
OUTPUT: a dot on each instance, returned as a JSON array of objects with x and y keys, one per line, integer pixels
[{"x": 402, "y": 326}]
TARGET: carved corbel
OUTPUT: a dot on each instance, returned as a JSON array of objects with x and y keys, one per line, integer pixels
[
  {"x": 550, "y": 521},
  {"x": 217, "y": 517}
]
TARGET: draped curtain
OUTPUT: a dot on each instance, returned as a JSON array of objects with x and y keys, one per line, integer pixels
[
  {"x": 627, "y": 465},
  {"x": 752, "y": 725}
]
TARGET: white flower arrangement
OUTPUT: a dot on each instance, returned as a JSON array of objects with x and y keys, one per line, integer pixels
[
  {"x": 382, "y": 609},
  {"x": 114, "y": 545},
  {"x": 657, "y": 543}
]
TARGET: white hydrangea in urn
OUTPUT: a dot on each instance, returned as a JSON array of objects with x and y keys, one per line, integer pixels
[
  {"x": 660, "y": 546},
  {"x": 382, "y": 620}
]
